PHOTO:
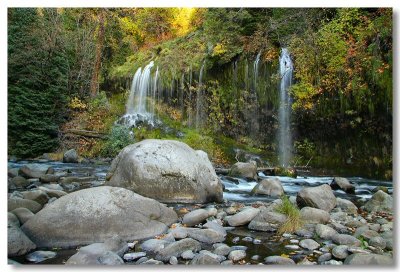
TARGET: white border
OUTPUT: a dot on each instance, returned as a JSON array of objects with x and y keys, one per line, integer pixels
[{"x": 184, "y": 3}]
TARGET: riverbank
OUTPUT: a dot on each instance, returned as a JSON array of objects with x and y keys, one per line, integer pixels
[{"x": 243, "y": 229}]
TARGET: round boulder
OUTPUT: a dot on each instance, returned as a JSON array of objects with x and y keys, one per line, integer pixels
[
  {"x": 71, "y": 156},
  {"x": 380, "y": 201},
  {"x": 166, "y": 170},
  {"x": 270, "y": 187},
  {"x": 95, "y": 214},
  {"x": 342, "y": 184},
  {"x": 320, "y": 197},
  {"x": 247, "y": 170}
]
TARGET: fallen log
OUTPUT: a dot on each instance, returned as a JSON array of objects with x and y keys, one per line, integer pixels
[{"x": 86, "y": 133}]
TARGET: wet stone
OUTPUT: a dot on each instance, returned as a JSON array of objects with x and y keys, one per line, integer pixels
[
  {"x": 247, "y": 239},
  {"x": 133, "y": 256},
  {"x": 324, "y": 257},
  {"x": 40, "y": 256},
  {"x": 187, "y": 255},
  {"x": 257, "y": 241}
]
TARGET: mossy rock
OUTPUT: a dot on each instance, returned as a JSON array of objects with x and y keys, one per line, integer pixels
[{"x": 288, "y": 172}]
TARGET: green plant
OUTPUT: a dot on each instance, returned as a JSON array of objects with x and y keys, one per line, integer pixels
[
  {"x": 99, "y": 102},
  {"x": 119, "y": 137},
  {"x": 293, "y": 221}
]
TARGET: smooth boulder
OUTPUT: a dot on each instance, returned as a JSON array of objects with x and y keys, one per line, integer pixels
[
  {"x": 71, "y": 156},
  {"x": 243, "y": 217},
  {"x": 320, "y": 197},
  {"x": 313, "y": 215},
  {"x": 380, "y": 201},
  {"x": 267, "y": 220},
  {"x": 269, "y": 187},
  {"x": 18, "y": 242},
  {"x": 344, "y": 184},
  {"x": 101, "y": 213},
  {"x": 166, "y": 170},
  {"x": 247, "y": 170}
]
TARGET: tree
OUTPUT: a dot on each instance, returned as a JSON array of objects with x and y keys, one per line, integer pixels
[
  {"x": 94, "y": 83},
  {"x": 37, "y": 81}
]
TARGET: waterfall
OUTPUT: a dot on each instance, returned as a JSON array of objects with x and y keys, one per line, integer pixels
[
  {"x": 155, "y": 90},
  {"x": 143, "y": 89},
  {"x": 199, "y": 102},
  {"x": 255, "y": 66},
  {"x": 137, "y": 108},
  {"x": 134, "y": 86},
  {"x": 284, "y": 136}
]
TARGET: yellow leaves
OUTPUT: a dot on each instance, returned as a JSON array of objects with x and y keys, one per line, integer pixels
[
  {"x": 219, "y": 49},
  {"x": 181, "y": 22},
  {"x": 77, "y": 104},
  {"x": 284, "y": 255}
]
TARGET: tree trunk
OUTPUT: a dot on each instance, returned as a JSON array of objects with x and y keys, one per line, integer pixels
[{"x": 94, "y": 83}]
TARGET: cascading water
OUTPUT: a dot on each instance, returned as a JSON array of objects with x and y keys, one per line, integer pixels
[
  {"x": 137, "y": 106},
  {"x": 155, "y": 90},
  {"x": 199, "y": 102},
  {"x": 285, "y": 136},
  {"x": 255, "y": 66}
]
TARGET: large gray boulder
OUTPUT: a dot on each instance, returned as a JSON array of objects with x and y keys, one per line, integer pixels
[
  {"x": 96, "y": 214},
  {"x": 269, "y": 187},
  {"x": 71, "y": 156},
  {"x": 320, "y": 197},
  {"x": 380, "y": 201},
  {"x": 344, "y": 184},
  {"x": 246, "y": 170},
  {"x": 166, "y": 170}
]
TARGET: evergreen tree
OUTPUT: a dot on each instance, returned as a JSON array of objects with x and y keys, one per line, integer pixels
[{"x": 37, "y": 83}]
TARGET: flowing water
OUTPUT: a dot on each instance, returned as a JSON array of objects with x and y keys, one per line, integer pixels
[
  {"x": 284, "y": 134},
  {"x": 200, "y": 100},
  {"x": 137, "y": 108},
  {"x": 238, "y": 191}
]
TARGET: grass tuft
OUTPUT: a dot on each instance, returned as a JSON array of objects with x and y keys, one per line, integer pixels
[{"x": 293, "y": 221}]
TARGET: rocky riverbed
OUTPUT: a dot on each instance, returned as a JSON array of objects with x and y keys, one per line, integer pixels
[{"x": 66, "y": 213}]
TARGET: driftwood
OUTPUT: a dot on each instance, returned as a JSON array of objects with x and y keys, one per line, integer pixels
[{"x": 86, "y": 133}]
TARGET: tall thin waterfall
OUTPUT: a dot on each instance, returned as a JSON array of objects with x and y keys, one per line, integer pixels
[
  {"x": 255, "y": 66},
  {"x": 199, "y": 102},
  {"x": 285, "y": 137},
  {"x": 154, "y": 93},
  {"x": 130, "y": 104},
  {"x": 137, "y": 108},
  {"x": 144, "y": 87}
]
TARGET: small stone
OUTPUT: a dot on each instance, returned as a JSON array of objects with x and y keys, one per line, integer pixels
[
  {"x": 292, "y": 247},
  {"x": 324, "y": 257},
  {"x": 133, "y": 256},
  {"x": 142, "y": 260},
  {"x": 227, "y": 262},
  {"x": 40, "y": 256},
  {"x": 237, "y": 255},
  {"x": 187, "y": 255},
  {"x": 340, "y": 252},
  {"x": 173, "y": 260},
  {"x": 377, "y": 242},
  {"x": 257, "y": 241},
  {"x": 235, "y": 240},
  {"x": 247, "y": 239},
  {"x": 222, "y": 250},
  {"x": 239, "y": 248},
  {"x": 333, "y": 262},
  {"x": 294, "y": 241},
  {"x": 278, "y": 260},
  {"x": 309, "y": 244},
  {"x": 255, "y": 257}
]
